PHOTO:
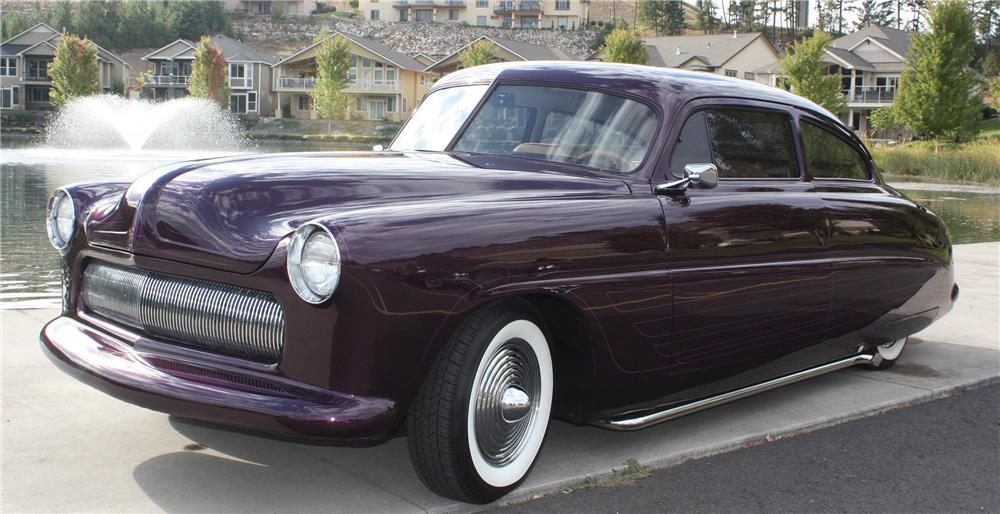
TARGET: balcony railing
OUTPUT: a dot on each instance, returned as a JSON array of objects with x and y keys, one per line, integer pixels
[
  {"x": 873, "y": 94},
  {"x": 428, "y": 3},
  {"x": 371, "y": 85},
  {"x": 297, "y": 83},
  {"x": 518, "y": 7},
  {"x": 169, "y": 80}
]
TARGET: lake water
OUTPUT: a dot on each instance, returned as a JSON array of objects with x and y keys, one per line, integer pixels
[{"x": 29, "y": 274}]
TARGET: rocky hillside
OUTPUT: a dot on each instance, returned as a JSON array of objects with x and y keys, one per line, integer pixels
[{"x": 281, "y": 37}]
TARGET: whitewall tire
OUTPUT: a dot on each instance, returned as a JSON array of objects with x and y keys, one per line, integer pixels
[{"x": 479, "y": 420}]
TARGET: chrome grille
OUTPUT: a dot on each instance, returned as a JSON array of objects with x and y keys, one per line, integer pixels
[{"x": 209, "y": 315}]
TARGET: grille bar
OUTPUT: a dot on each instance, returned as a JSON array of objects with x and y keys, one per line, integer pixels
[{"x": 213, "y": 316}]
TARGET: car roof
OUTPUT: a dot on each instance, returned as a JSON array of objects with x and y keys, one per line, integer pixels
[{"x": 668, "y": 87}]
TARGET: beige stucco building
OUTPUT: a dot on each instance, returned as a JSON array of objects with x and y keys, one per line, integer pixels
[
  {"x": 507, "y": 50},
  {"x": 385, "y": 84},
  {"x": 746, "y": 56},
  {"x": 566, "y": 14},
  {"x": 24, "y": 68},
  {"x": 287, "y": 7}
]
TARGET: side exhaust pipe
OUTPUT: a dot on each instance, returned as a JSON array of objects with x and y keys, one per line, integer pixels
[{"x": 628, "y": 423}]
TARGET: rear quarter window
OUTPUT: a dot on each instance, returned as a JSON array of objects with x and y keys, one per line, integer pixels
[{"x": 830, "y": 157}]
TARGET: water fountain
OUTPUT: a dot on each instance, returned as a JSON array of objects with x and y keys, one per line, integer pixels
[{"x": 112, "y": 122}]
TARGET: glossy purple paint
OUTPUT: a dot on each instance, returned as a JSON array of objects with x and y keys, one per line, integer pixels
[{"x": 648, "y": 300}]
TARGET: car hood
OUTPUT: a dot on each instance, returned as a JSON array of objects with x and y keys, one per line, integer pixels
[{"x": 231, "y": 213}]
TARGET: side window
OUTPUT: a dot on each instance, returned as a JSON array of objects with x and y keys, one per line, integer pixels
[
  {"x": 829, "y": 156},
  {"x": 692, "y": 145},
  {"x": 751, "y": 143}
]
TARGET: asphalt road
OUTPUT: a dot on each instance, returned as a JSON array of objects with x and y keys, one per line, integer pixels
[{"x": 939, "y": 456}]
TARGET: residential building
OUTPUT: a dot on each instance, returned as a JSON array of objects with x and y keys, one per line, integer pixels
[
  {"x": 24, "y": 68},
  {"x": 567, "y": 14},
  {"x": 286, "y": 7},
  {"x": 169, "y": 73},
  {"x": 746, "y": 56},
  {"x": 384, "y": 84},
  {"x": 869, "y": 63},
  {"x": 507, "y": 51}
]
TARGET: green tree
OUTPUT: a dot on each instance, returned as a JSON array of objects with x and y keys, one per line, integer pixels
[
  {"x": 707, "y": 20},
  {"x": 873, "y": 12},
  {"x": 73, "y": 70},
  {"x": 478, "y": 53},
  {"x": 883, "y": 120},
  {"x": 209, "y": 73},
  {"x": 806, "y": 72},
  {"x": 14, "y": 23},
  {"x": 624, "y": 45},
  {"x": 995, "y": 92},
  {"x": 61, "y": 17},
  {"x": 935, "y": 90},
  {"x": 333, "y": 61},
  {"x": 662, "y": 17}
]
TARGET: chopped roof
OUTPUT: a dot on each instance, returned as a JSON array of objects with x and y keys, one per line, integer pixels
[
  {"x": 714, "y": 49},
  {"x": 842, "y": 56},
  {"x": 526, "y": 51},
  {"x": 12, "y": 49},
  {"x": 236, "y": 51}
]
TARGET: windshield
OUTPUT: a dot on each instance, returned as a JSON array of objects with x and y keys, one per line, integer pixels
[
  {"x": 437, "y": 120},
  {"x": 587, "y": 128}
]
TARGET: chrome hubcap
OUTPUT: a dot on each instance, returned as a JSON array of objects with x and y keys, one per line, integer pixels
[{"x": 506, "y": 401}]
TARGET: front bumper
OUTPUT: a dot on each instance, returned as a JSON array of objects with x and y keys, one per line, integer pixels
[{"x": 177, "y": 386}]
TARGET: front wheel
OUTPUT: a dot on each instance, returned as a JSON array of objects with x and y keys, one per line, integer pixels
[{"x": 479, "y": 420}]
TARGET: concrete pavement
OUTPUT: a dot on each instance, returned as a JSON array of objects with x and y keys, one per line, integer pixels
[{"x": 67, "y": 447}]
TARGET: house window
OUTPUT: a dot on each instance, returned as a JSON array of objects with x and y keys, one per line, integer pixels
[
  {"x": 8, "y": 97},
  {"x": 37, "y": 95},
  {"x": 352, "y": 72},
  {"x": 529, "y": 22},
  {"x": 390, "y": 76},
  {"x": 359, "y": 104},
  {"x": 240, "y": 75},
  {"x": 305, "y": 103},
  {"x": 366, "y": 63},
  {"x": 404, "y": 15},
  {"x": 374, "y": 14},
  {"x": 453, "y": 14},
  {"x": 562, "y": 5},
  {"x": 405, "y": 109},
  {"x": 562, "y": 22},
  {"x": 8, "y": 66},
  {"x": 482, "y": 3},
  {"x": 238, "y": 103},
  {"x": 481, "y": 21},
  {"x": 424, "y": 15},
  {"x": 252, "y": 101},
  {"x": 749, "y": 75},
  {"x": 390, "y": 104},
  {"x": 38, "y": 69},
  {"x": 731, "y": 73},
  {"x": 379, "y": 70}
]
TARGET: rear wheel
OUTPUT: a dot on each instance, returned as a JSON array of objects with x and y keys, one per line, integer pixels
[
  {"x": 890, "y": 353},
  {"x": 479, "y": 420}
]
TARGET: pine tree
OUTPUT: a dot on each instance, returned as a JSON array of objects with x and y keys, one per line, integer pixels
[
  {"x": 73, "y": 70},
  {"x": 676, "y": 22},
  {"x": 935, "y": 91},
  {"x": 624, "y": 45},
  {"x": 805, "y": 71},
  {"x": 333, "y": 62},
  {"x": 478, "y": 53},
  {"x": 209, "y": 73},
  {"x": 707, "y": 20},
  {"x": 873, "y": 12},
  {"x": 653, "y": 15}
]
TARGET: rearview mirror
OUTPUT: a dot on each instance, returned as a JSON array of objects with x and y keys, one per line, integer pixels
[
  {"x": 702, "y": 176},
  {"x": 699, "y": 175}
]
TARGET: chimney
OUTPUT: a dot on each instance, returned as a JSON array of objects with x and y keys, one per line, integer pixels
[
  {"x": 678, "y": 52},
  {"x": 709, "y": 45},
  {"x": 734, "y": 34}
]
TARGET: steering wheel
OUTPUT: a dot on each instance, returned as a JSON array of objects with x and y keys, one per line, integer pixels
[{"x": 622, "y": 162}]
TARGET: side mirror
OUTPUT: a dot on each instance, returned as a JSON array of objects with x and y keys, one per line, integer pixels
[
  {"x": 699, "y": 175},
  {"x": 702, "y": 176},
  {"x": 378, "y": 148}
]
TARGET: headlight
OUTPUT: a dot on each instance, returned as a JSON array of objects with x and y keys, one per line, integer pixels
[
  {"x": 61, "y": 219},
  {"x": 313, "y": 263}
]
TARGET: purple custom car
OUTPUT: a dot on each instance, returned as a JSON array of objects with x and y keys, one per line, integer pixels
[{"x": 604, "y": 244}]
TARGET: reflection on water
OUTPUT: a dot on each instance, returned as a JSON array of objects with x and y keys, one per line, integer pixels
[{"x": 29, "y": 274}]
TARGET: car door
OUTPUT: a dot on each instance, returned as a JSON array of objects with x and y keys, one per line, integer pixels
[{"x": 750, "y": 282}]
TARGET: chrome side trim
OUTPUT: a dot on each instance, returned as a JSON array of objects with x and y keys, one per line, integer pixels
[{"x": 628, "y": 423}]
